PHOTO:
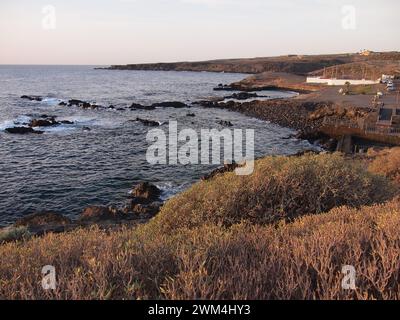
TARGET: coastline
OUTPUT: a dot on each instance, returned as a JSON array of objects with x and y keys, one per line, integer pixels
[
  {"x": 303, "y": 113},
  {"x": 52, "y": 221}
]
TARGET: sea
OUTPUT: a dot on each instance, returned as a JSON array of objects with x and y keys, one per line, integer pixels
[{"x": 101, "y": 155}]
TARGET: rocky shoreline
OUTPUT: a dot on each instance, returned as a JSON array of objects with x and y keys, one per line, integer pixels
[
  {"x": 144, "y": 203},
  {"x": 304, "y": 116}
]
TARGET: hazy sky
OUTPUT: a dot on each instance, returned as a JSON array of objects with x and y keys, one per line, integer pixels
[{"x": 134, "y": 31}]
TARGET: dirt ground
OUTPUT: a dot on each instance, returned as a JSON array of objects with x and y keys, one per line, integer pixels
[{"x": 389, "y": 99}]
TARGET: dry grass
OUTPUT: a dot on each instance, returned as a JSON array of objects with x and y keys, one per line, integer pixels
[
  {"x": 300, "y": 260},
  {"x": 279, "y": 188},
  {"x": 386, "y": 163},
  {"x": 216, "y": 241}
]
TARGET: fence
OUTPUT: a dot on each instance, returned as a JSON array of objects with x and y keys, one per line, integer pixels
[{"x": 366, "y": 129}]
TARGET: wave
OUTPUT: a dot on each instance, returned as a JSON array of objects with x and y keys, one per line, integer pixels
[
  {"x": 51, "y": 101},
  {"x": 20, "y": 121},
  {"x": 170, "y": 189}
]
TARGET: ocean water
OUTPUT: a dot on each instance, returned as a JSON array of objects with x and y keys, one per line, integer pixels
[{"x": 68, "y": 168}]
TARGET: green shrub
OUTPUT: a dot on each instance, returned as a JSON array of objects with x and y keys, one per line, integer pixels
[{"x": 14, "y": 234}]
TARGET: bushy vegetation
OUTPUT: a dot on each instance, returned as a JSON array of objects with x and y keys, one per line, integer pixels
[
  {"x": 299, "y": 260},
  {"x": 279, "y": 188},
  {"x": 232, "y": 238},
  {"x": 13, "y": 234},
  {"x": 386, "y": 163}
]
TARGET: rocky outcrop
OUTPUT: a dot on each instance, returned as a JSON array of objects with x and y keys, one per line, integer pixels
[
  {"x": 145, "y": 202},
  {"x": 285, "y": 112},
  {"x": 170, "y": 104},
  {"x": 148, "y": 123},
  {"x": 22, "y": 130},
  {"x": 225, "y": 123},
  {"x": 207, "y": 103},
  {"x": 144, "y": 210},
  {"x": 137, "y": 106},
  {"x": 41, "y": 121},
  {"x": 339, "y": 111},
  {"x": 44, "y": 122},
  {"x": 42, "y": 219},
  {"x": 32, "y": 98},
  {"x": 243, "y": 96},
  {"x": 79, "y": 103},
  {"x": 224, "y": 87},
  {"x": 318, "y": 138},
  {"x": 98, "y": 214},
  {"x": 145, "y": 193},
  {"x": 82, "y": 104}
]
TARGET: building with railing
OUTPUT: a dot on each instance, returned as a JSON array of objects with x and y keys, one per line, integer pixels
[{"x": 341, "y": 82}]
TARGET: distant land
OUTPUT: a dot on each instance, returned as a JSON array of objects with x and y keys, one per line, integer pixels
[{"x": 294, "y": 64}]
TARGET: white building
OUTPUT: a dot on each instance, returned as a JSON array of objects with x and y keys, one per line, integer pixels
[{"x": 340, "y": 82}]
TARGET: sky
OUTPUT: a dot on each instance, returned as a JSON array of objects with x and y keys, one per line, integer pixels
[{"x": 105, "y": 32}]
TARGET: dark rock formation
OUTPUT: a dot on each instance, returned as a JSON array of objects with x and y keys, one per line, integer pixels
[
  {"x": 318, "y": 138},
  {"x": 170, "y": 104},
  {"x": 79, "y": 103},
  {"x": 148, "y": 123},
  {"x": 190, "y": 115},
  {"x": 225, "y": 123},
  {"x": 207, "y": 103},
  {"x": 32, "y": 98},
  {"x": 224, "y": 87},
  {"x": 137, "y": 106},
  {"x": 83, "y": 104},
  {"x": 22, "y": 130},
  {"x": 145, "y": 193},
  {"x": 145, "y": 210},
  {"x": 98, "y": 214},
  {"x": 243, "y": 96},
  {"x": 42, "y": 219},
  {"x": 44, "y": 122}
]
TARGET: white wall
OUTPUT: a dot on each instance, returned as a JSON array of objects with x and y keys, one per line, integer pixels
[{"x": 340, "y": 82}]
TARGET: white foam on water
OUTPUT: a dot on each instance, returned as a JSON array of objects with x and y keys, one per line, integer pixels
[
  {"x": 18, "y": 122},
  {"x": 23, "y": 119},
  {"x": 169, "y": 189},
  {"x": 57, "y": 129},
  {"x": 51, "y": 101},
  {"x": 6, "y": 124}
]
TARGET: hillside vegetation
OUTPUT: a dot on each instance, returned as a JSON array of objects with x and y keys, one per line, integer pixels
[
  {"x": 280, "y": 188},
  {"x": 281, "y": 233}
]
